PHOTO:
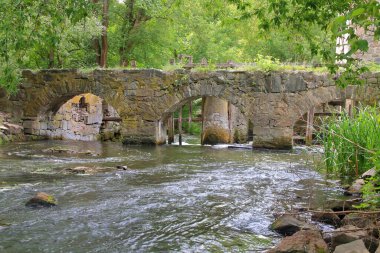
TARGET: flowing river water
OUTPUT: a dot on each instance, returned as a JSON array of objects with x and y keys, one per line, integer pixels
[{"x": 170, "y": 199}]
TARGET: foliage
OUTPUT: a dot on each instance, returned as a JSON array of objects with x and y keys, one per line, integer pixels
[
  {"x": 33, "y": 34},
  {"x": 195, "y": 128},
  {"x": 65, "y": 34},
  {"x": 9, "y": 76},
  {"x": 338, "y": 18},
  {"x": 267, "y": 63},
  {"x": 351, "y": 143}
]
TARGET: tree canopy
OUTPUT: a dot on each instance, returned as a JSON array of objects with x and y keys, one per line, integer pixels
[{"x": 112, "y": 33}]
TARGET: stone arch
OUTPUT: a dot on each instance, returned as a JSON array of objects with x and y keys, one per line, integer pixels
[
  {"x": 189, "y": 91},
  {"x": 206, "y": 88},
  {"x": 52, "y": 89},
  {"x": 313, "y": 98},
  {"x": 83, "y": 117},
  {"x": 320, "y": 102}
]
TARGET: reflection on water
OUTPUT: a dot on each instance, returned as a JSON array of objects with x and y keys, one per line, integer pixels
[{"x": 171, "y": 199}]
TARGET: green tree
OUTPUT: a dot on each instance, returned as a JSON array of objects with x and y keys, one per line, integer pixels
[
  {"x": 40, "y": 34},
  {"x": 336, "y": 17}
]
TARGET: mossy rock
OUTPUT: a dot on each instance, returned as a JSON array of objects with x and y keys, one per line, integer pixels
[{"x": 42, "y": 199}]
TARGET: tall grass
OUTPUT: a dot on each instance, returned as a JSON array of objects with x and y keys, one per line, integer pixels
[{"x": 351, "y": 144}]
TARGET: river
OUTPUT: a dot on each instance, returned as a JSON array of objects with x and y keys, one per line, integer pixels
[{"x": 170, "y": 199}]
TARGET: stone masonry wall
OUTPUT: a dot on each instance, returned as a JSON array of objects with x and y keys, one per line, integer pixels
[
  {"x": 80, "y": 118},
  {"x": 239, "y": 126},
  {"x": 144, "y": 99}
]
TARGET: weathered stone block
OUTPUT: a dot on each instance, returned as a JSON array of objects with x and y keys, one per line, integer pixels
[
  {"x": 30, "y": 124},
  {"x": 43, "y": 125},
  {"x": 64, "y": 124}
]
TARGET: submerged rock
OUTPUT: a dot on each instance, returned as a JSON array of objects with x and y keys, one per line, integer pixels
[
  {"x": 327, "y": 217},
  {"x": 288, "y": 225},
  {"x": 87, "y": 170},
  {"x": 42, "y": 199},
  {"x": 354, "y": 246},
  {"x": 4, "y": 225},
  {"x": 93, "y": 170},
  {"x": 309, "y": 241},
  {"x": 62, "y": 150},
  {"x": 122, "y": 167}
]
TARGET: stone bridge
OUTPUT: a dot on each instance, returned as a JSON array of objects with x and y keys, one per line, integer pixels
[{"x": 144, "y": 99}]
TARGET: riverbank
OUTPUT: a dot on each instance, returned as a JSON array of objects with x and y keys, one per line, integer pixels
[{"x": 337, "y": 226}]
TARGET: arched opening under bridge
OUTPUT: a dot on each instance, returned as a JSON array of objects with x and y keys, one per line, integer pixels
[
  {"x": 205, "y": 120},
  {"x": 84, "y": 117}
]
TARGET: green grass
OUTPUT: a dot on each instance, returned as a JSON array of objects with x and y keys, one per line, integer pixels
[{"x": 351, "y": 144}]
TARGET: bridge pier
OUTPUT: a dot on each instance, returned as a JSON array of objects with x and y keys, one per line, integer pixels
[
  {"x": 216, "y": 127},
  {"x": 272, "y": 137}
]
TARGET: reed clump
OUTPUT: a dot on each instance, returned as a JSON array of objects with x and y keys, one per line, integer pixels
[{"x": 352, "y": 144}]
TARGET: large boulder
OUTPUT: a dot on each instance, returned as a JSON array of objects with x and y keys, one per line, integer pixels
[
  {"x": 352, "y": 247},
  {"x": 42, "y": 199},
  {"x": 349, "y": 233},
  {"x": 305, "y": 241},
  {"x": 360, "y": 220},
  {"x": 342, "y": 205},
  {"x": 288, "y": 225},
  {"x": 328, "y": 217}
]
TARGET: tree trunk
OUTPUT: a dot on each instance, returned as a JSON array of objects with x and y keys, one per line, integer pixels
[
  {"x": 104, "y": 51},
  {"x": 51, "y": 59},
  {"x": 129, "y": 20},
  {"x": 95, "y": 41}
]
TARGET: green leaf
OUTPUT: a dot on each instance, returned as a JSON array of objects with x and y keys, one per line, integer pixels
[
  {"x": 362, "y": 45},
  {"x": 357, "y": 12},
  {"x": 338, "y": 23}
]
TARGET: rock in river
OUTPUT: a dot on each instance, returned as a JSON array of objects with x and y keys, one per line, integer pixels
[
  {"x": 288, "y": 225},
  {"x": 328, "y": 217},
  {"x": 42, "y": 199},
  {"x": 93, "y": 170},
  {"x": 62, "y": 150},
  {"x": 87, "y": 170},
  {"x": 349, "y": 233},
  {"x": 354, "y": 246},
  {"x": 309, "y": 241}
]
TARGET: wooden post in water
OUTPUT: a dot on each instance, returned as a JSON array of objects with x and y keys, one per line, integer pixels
[
  {"x": 171, "y": 129},
  {"x": 349, "y": 104},
  {"x": 190, "y": 115},
  {"x": 180, "y": 126},
  {"x": 202, "y": 117},
  {"x": 230, "y": 128},
  {"x": 309, "y": 127}
]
